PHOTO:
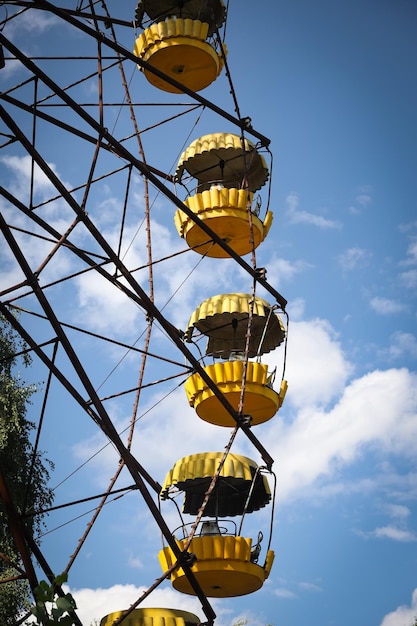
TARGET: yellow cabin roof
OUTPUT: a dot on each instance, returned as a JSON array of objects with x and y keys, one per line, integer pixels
[
  {"x": 192, "y": 475},
  {"x": 153, "y": 617},
  {"x": 224, "y": 319},
  {"x": 223, "y": 157}
]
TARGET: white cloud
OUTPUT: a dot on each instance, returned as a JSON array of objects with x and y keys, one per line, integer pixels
[
  {"x": 402, "y": 344},
  {"x": 38, "y": 245},
  {"x": 249, "y": 618},
  {"x": 378, "y": 409},
  {"x": 396, "y": 531},
  {"x": 407, "y": 227},
  {"x": 297, "y": 216},
  {"x": 353, "y": 258},
  {"x": 309, "y": 586},
  {"x": 55, "y": 212},
  {"x": 409, "y": 279},
  {"x": 353, "y": 210},
  {"x": 34, "y": 21},
  {"x": 296, "y": 309},
  {"x": 105, "y": 307},
  {"x": 281, "y": 592},
  {"x": 21, "y": 171},
  {"x": 316, "y": 367},
  {"x": 404, "y": 615},
  {"x": 412, "y": 252},
  {"x": 398, "y": 511},
  {"x": 37, "y": 23},
  {"x": 385, "y": 306},
  {"x": 364, "y": 199},
  {"x": 282, "y": 270},
  {"x": 101, "y": 303},
  {"x": 393, "y": 532}
]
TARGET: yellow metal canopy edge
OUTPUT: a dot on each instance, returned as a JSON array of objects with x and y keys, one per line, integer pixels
[
  {"x": 153, "y": 617},
  {"x": 227, "y": 147}
]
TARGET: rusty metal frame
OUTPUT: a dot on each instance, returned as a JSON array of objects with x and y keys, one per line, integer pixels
[{"x": 94, "y": 406}]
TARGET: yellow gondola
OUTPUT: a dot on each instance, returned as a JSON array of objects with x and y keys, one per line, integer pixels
[
  {"x": 223, "y": 567},
  {"x": 176, "y": 42},
  {"x": 224, "y": 320},
  {"x": 153, "y": 617},
  {"x": 226, "y": 565},
  {"x": 228, "y": 171}
]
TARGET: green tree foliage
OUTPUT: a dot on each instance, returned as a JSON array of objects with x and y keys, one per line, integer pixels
[
  {"x": 26, "y": 472},
  {"x": 50, "y": 609}
]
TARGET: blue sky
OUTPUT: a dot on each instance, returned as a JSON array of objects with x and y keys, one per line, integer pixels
[{"x": 333, "y": 87}]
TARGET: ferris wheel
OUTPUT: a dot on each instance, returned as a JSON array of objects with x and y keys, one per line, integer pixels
[{"x": 131, "y": 216}]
